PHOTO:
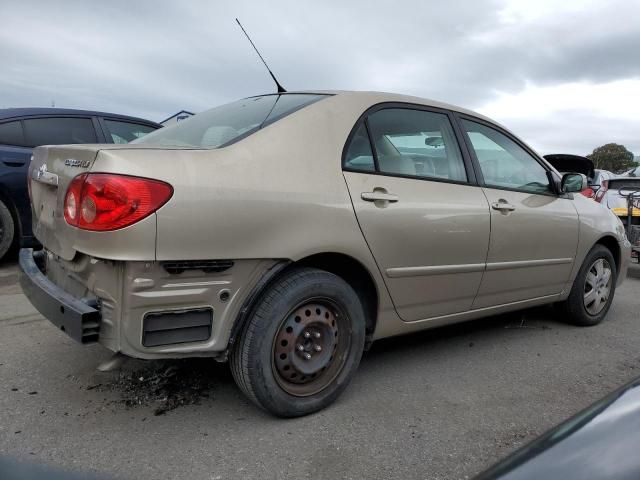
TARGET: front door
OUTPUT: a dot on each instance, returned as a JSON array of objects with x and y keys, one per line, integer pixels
[
  {"x": 426, "y": 224},
  {"x": 534, "y": 232}
]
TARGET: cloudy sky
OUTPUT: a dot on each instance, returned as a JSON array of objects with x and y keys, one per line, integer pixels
[{"x": 564, "y": 75}]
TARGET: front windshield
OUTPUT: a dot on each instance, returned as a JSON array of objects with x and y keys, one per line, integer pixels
[{"x": 229, "y": 123}]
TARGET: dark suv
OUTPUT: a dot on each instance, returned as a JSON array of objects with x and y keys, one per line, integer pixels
[{"x": 22, "y": 129}]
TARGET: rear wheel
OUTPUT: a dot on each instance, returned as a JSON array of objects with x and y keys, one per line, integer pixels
[
  {"x": 7, "y": 230},
  {"x": 593, "y": 289},
  {"x": 302, "y": 344}
]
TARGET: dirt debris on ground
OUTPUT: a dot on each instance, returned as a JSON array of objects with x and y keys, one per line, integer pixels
[{"x": 162, "y": 385}]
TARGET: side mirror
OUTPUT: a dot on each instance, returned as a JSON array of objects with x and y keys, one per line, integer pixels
[{"x": 573, "y": 182}]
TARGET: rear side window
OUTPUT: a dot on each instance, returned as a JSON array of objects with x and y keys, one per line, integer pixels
[
  {"x": 59, "y": 131},
  {"x": 125, "y": 132},
  {"x": 412, "y": 142},
  {"x": 359, "y": 155},
  {"x": 229, "y": 123},
  {"x": 11, "y": 133}
]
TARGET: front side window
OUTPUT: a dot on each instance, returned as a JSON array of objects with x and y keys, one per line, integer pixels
[
  {"x": 504, "y": 163},
  {"x": 125, "y": 132},
  {"x": 59, "y": 131},
  {"x": 11, "y": 133},
  {"x": 229, "y": 123},
  {"x": 417, "y": 143}
]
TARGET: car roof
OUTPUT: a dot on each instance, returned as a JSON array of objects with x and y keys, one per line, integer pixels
[
  {"x": 7, "y": 113},
  {"x": 382, "y": 97}
]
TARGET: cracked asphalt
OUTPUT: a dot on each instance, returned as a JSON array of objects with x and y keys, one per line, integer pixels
[{"x": 442, "y": 404}]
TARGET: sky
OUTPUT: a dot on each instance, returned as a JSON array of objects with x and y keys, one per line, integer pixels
[{"x": 563, "y": 75}]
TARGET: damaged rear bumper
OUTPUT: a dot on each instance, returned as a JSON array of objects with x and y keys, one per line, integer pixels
[
  {"x": 143, "y": 309},
  {"x": 78, "y": 318}
]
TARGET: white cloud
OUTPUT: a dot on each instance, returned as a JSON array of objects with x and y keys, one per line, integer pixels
[
  {"x": 571, "y": 115},
  {"x": 151, "y": 58},
  {"x": 619, "y": 99}
]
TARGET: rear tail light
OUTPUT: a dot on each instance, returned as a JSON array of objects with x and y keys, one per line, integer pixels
[
  {"x": 104, "y": 201},
  {"x": 604, "y": 186},
  {"x": 588, "y": 192}
]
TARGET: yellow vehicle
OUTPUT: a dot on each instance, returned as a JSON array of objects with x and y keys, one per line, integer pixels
[{"x": 622, "y": 195}]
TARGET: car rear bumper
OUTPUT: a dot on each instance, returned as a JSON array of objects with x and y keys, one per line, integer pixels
[
  {"x": 142, "y": 309},
  {"x": 78, "y": 318}
]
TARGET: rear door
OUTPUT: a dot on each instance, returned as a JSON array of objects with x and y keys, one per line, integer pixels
[
  {"x": 534, "y": 231},
  {"x": 423, "y": 218},
  {"x": 14, "y": 161},
  {"x": 14, "y": 152}
]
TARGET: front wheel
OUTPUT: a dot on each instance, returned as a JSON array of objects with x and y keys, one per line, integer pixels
[
  {"x": 593, "y": 289},
  {"x": 302, "y": 344}
]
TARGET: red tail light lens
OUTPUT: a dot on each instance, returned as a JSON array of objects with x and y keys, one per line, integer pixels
[
  {"x": 104, "y": 201},
  {"x": 588, "y": 192},
  {"x": 604, "y": 186}
]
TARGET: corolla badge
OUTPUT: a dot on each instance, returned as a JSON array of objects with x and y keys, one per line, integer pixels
[{"x": 70, "y": 162}]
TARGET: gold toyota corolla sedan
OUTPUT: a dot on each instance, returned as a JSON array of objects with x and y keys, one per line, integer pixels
[{"x": 287, "y": 232}]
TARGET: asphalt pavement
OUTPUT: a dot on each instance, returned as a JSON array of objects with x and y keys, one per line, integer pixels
[{"x": 442, "y": 404}]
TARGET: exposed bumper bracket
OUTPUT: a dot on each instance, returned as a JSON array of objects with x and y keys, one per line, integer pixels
[{"x": 77, "y": 318}]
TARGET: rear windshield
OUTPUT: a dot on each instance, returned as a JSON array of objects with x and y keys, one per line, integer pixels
[{"x": 229, "y": 123}]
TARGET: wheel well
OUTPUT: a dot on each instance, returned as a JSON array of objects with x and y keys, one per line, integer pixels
[
  {"x": 613, "y": 246},
  {"x": 352, "y": 272}
]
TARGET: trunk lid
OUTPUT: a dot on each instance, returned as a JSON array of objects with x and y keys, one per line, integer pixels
[
  {"x": 51, "y": 170},
  {"x": 572, "y": 164}
]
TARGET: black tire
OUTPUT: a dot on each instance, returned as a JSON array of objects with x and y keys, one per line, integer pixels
[
  {"x": 254, "y": 356},
  {"x": 573, "y": 309},
  {"x": 7, "y": 230}
]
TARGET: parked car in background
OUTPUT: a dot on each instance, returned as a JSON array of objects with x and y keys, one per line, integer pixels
[
  {"x": 576, "y": 163},
  {"x": 309, "y": 225},
  {"x": 614, "y": 194},
  {"x": 601, "y": 442},
  {"x": 22, "y": 129}
]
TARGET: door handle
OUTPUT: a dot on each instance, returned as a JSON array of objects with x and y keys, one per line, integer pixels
[
  {"x": 378, "y": 196},
  {"x": 12, "y": 162},
  {"x": 503, "y": 206}
]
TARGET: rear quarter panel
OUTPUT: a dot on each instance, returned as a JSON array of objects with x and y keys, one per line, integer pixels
[{"x": 279, "y": 193}]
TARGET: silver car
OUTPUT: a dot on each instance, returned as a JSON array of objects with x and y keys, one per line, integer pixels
[{"x": 288, "y": 232}]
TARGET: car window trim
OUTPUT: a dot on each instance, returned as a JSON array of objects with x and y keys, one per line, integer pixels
[
  {"x": 363, "y": 118},
  {"x": 476, "y": 164},
  {"x": 101, "y": 134},
  {"x": 374, "y": 152}
]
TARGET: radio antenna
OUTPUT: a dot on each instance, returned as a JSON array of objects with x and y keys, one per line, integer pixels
[{"x": 280, "y": 87}]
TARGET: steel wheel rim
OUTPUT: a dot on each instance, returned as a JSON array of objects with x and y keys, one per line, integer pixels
[
  {"x": 311, "y": 347},
  {"x": 597, "y": 286}
]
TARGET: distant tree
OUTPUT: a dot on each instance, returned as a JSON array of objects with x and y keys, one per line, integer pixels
[{"x": 613, "y": 157}]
